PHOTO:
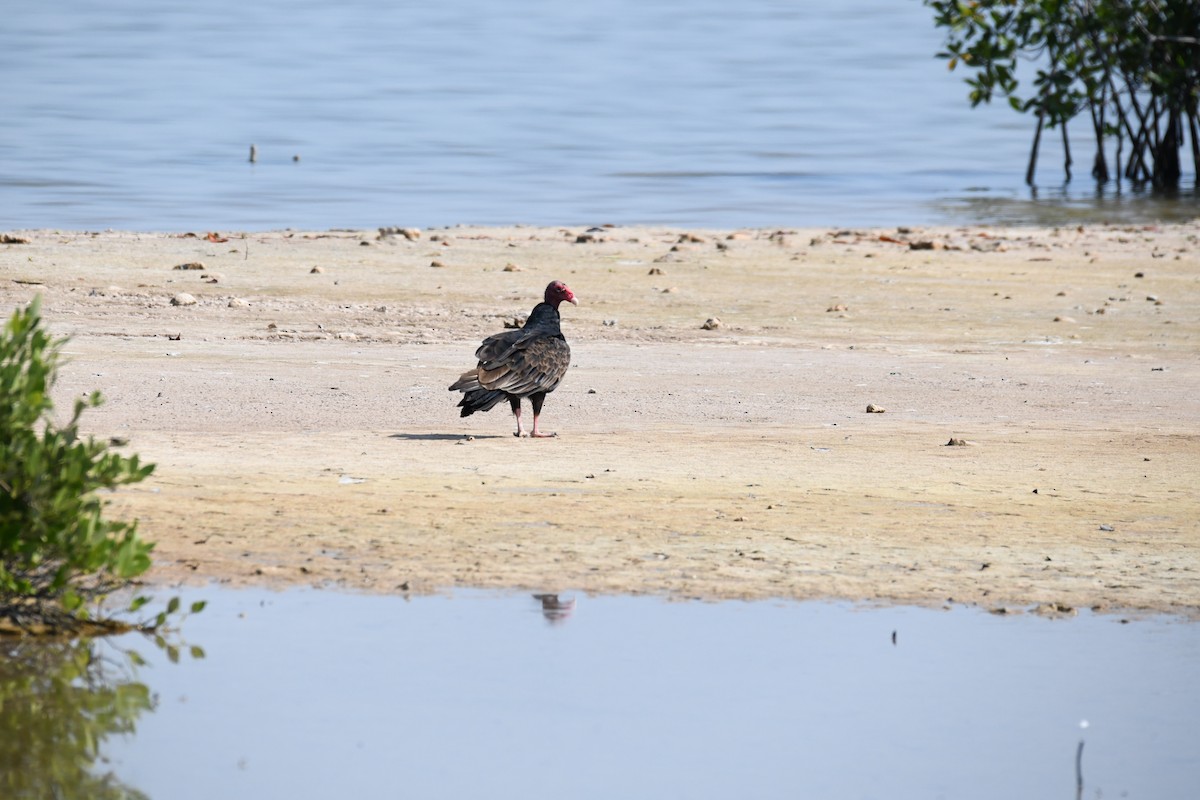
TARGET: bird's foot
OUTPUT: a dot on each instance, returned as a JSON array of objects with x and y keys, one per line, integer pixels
[{"x": 543, "y": 435}]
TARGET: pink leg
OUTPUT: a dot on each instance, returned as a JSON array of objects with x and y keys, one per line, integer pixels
[
  {"x": 535, "y": 434},
  {"x": 521, "y": 431}
]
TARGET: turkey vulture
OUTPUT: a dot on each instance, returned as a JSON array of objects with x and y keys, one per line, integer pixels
[{"x": 528, "y": 362}]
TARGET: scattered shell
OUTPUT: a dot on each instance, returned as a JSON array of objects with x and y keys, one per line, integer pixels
[
  {"x": 1055, "y": 610},
  {"x": 197, "y": 265},
  {"x": 271, "y": 326},
  {"x": 238, "y": 302},
  {"x": 711, "y": 324},
  {"x": 586, "y": 238},
  {"x": 956, "y": 442},
  {"x": 315, "y": 270},
  {"x": 838, "y": 307},
  {"x": 927, "y": 244},
  {"x": 183, "y": 299},
  {"x": 347, "y": 336},
  {"x": 436, "y": 264},
  {"x": 412, "y": 234},
  {"x": 8, "y": 238},
  {"x": 1064, "y": 319},
  {"x": 655, "y": 271},
  {"x": 670, "y": 290},
  {"x": 874, "y": 409},
  {"x": 511, "y": 267},
  {"x": 691, "y": 238}
]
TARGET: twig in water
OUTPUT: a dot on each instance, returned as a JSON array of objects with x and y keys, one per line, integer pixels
[{"x": 1079, "y": 771}]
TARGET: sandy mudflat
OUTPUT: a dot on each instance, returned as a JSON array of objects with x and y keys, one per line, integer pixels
[{"x": 304, "y": 435}]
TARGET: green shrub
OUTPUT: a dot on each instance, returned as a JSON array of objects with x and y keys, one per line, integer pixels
[{"x": 58, "y": 556}]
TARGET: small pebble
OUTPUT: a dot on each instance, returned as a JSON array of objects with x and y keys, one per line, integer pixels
[{"x": 183, "y": 299}]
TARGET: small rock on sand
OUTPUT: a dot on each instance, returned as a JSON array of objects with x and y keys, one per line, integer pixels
[
  {"x": 711, "y": 324},
  {"x": 183, "y": 299},
  {"x": 927, "y": 244},
  {"x": 191, "y": 265},
  {"x": 874, "y": 409}
]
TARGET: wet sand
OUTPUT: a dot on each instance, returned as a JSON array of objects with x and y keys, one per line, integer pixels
[{"x": 303, "y": 433}]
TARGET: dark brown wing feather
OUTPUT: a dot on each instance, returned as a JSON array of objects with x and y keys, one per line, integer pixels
[{"x": 527, "y": 366}]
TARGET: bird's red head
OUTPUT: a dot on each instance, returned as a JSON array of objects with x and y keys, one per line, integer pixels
[{"x": 557, "y": 292}]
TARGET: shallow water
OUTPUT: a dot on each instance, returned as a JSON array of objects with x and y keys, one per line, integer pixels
[
  {"x": 313, "y": 694},
  {"x": 139, "y": 115}
]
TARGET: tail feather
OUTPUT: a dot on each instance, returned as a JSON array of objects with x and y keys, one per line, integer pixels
[
  {"x": 479, "y": 400},
  {"x": 466, "y": 382}
]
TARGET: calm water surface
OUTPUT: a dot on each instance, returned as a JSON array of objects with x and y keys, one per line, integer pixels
[
  {"x": 139, "y": 114},
  {"x": 309, "y": 694}
]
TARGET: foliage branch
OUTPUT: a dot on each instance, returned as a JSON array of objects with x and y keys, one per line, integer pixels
[{"x": 1130, "y": 67}]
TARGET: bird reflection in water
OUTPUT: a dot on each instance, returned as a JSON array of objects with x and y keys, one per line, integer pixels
[{"x": 554, "y": 608}]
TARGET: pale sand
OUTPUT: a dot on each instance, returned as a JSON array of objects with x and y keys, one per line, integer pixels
[{"x": 308, "y": 438}]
